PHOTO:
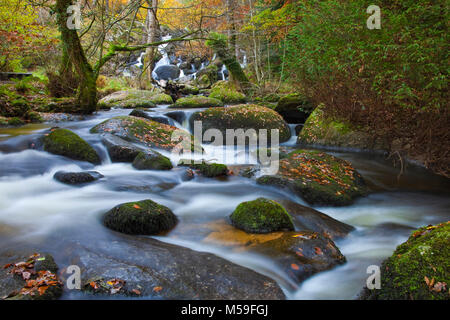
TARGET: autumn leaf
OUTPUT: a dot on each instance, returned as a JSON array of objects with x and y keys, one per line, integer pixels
[
  {"x": 136, "y": 291},
  {"x": 157, "y": 289},
  {"x": 136, "y": 206},
  {"x": 295, "y": 266},
  {"x": 318, "y": 251}
]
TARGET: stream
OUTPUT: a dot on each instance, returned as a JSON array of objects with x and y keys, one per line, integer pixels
[{"x": 39, "y": 212}]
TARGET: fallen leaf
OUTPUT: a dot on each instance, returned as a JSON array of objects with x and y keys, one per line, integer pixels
[
  {"x": 157, "y": 289},
  {"x": 136, "y": 206},
  {"x": 295, "y": 267}
]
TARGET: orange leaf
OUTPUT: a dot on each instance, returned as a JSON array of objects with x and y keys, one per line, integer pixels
[
  {"x": 295, "y": 267},
  {"x": 42, "y": 290},
  {"x": 318, "y": 251},
  {"x": 136, "y": 291},
  {"x": 157, "y": 289},
  {"x": 136, "y": 206}
]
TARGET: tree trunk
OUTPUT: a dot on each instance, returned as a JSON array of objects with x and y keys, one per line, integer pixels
[
  {"x": 87, "y": 90},
  {"x": 152, "y": 29},
  {"x": 231, "y": 21}
]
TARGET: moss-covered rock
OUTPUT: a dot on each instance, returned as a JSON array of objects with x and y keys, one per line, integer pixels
[
  {"x": 143, "y": 217},
  {"x": 294, "y": 108},
  {"x": 135, "y": 99},
  {"x": 197, "y": 102},
  {"x": 320, "y": 178},
  {"x": 152, "y": 160},
  {"x": 261, "y": 216},
  {"x": 326, "y": 132},
  {"x": 226, "y": 92},
  {"x": 66, "y": 143},
  {"x": 209, "y": 170},
  {"x": 419, "y": 269},
  {"x": 207, "y": 77},
  {"x": 150, "y": 133},
  {"x": 243, "y": 117}
]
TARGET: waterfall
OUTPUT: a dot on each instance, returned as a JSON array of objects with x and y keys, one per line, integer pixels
[{"x": 165, "y": 60}]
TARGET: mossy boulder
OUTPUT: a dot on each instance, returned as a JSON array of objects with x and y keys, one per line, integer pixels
[
  {"x": 143, "y": 217},
  {"x": 152, "y": 160},
  {"x": 197, "y": 102},
  {"x": 139, "y": 130},
  {"x": 242, "y": 117},
  {"x": 209, "y": 170},
  {"x": 322, "y": 131},
  {"x": 261, "y": 216},
  {"x": 66, "y": 143},
  {"x": 419, "y": 269},
  {"x": 226, "y": 92},
  {"x": 135, "y": 99},
  {"x": 207, "y": 77},
  {"x": 319, "y": 178},
  {"x": 294, "y": 108}
]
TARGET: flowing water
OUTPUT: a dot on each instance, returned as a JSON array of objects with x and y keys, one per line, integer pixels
[{"x": 36, "y": 211}]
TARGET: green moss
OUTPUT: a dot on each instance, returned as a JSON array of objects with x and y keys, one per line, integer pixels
[
  {"x": 243, "y": 117},
  {"x": 318, "y": 177},
  {"x": 15, "y": 122},
  {"x": 227, "y": 93},
  {"x": 209, "y": 170},
  {"x": 161, "y": 98},
  {"x": 197, "y": 102},
  {"x": 152, "y": 161},
  {"x": 294, "y": 101},
  {"x": 66, "y": 143},
  {"x": 136, "y": 98},
  {"x": 261, "y": 216},
  {"x": 143, "y": 217},
  {"x": 425, "y": 256}
]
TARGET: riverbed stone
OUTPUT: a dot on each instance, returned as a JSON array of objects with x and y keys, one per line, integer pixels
[
  {"x": 142, "y": 217},
  {"x": 227, "y": 92},
  {"x": 261, "y": 216},
  {"x": 319, "y": 178},
  {"x": 418, "y": 269},
  {"x": 135, "y": 99},
  {"x": 74, "y": 178},
  {"x": 142, "y": 131},
  {"x": 300, "y": 254},
  {"x": 242, "y": 117},
  {"x": 152, "y": 160},
  {"x": 165, "y": 271},
  {"x": 209, "y": 170},
  {"x": 167, "y": 72},
  {"x": 66, "y": 143},
  {"x": 120, "y": 150},
  {"x": 294, "y": 108},
  {"x": 197, "y": 102}
]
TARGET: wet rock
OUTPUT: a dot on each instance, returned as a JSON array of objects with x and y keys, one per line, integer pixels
[
  {"x": 242, "y": 117},
  {"x": 294, "y": 108},
  {"x": 60, "y": 117},
  {"x": 418, "y": 268},
  {"x": 209, "y": 170},
  {"x": 207, "y": 77},
  {"x": 167, "y": 72},
  {"x": 319, "y": 178},
  {"x": 148, "y": 115},
  {"x": 143, "y": 217},
  {"x": 298, "y": 129},
  {"x": 178, "y": 116},
  {"x": 29, "y": 276},
  {"x": 300, "y": 254},
  {"x": 261, "y": 216},
  {"x": 197, "y": 102},
  {"x": 138, "y": 130},
  {"x": 120, "y": 150},
  {"x": 306, "y": 218},
  {"x": 66, "y": 143},
  {"x": 165, "y": 271},
  {"x": 77, "y": 177},
  {"x": 151, "y": 160}
]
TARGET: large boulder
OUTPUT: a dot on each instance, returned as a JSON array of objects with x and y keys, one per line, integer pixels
[
  {"x": 299, "y": 254},
  {"x": 66, "y": 143},
  {"x": 197, "y": 102},
  {"x": 261, "y": 216},
  {"x": 77, "y": 177},
  {"x": 325, "y": 132},
  {"x": 167, "y": 72},
  {"x": 226, "y": 92},
  {"x": 152, "y": 160},
  {"x": 143, "y": 217},
  {"x": 294, "y": 108},
  {"x": 207, "y": 77},
  {"x": 418, "y": 269},
  {"x": 138, "y": 130},
  {"x": 142, "y": 113},
  {"x": 243, "y": 117},
  {"x": 135, "y": 99},
  {"x": 120, "y": 150},
  {"x": 319, "y": 178},
  {"x": 161, "y": 270}
]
